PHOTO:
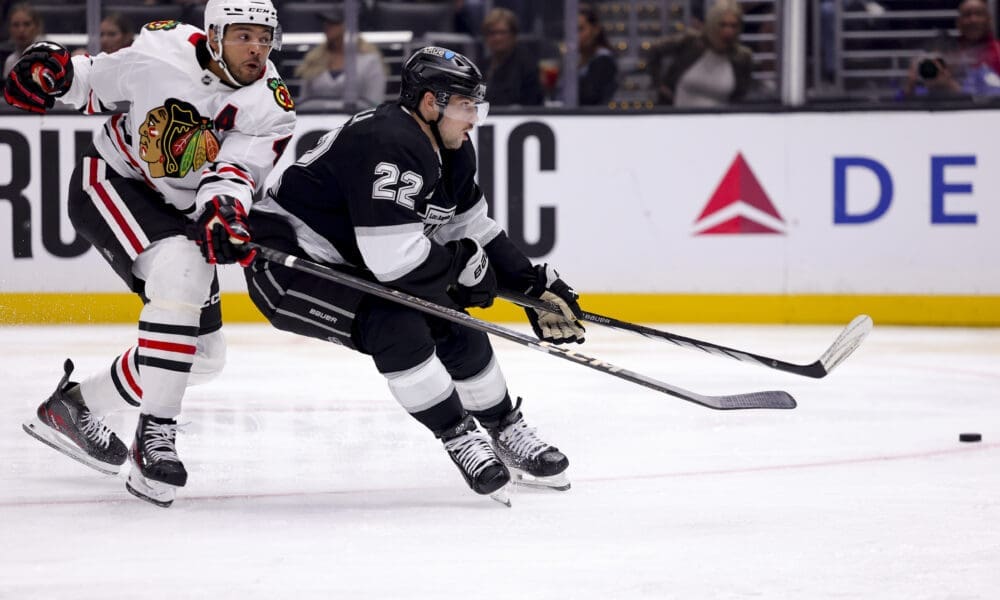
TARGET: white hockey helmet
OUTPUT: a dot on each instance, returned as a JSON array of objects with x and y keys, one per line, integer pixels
[{"x": 220, "y": 14}]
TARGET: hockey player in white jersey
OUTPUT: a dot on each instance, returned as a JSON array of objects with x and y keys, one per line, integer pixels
[
  {"x": 392, "y": 196},
  {"x": 208, "y": 118}
]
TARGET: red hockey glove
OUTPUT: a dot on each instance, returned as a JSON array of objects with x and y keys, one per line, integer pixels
[
  {"x": 223, "y": 233},
  {"x": 43, "y": 73}
]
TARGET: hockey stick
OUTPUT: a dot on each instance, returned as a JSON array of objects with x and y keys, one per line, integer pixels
[
  {"x": 842, "y": 347},
  {"x": 768, "y": 399}
]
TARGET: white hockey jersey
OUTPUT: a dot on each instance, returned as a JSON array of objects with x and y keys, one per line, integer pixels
[{"x": 187, "y": 134}]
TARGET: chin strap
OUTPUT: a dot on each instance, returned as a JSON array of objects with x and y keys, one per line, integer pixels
[
  {"x": 433, "y": 125},
  {"x": 229, "y": 79}
]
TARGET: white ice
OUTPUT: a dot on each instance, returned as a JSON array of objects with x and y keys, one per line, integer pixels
[{"x": 308, "y": 481}]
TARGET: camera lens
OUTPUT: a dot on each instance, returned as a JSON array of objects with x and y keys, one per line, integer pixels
[{"x": 927, "y": 68}]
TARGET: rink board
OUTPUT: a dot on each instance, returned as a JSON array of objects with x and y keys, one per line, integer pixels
[{"x": 797, "y": 217}]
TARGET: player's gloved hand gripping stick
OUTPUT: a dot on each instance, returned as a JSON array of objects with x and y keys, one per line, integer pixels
[{"x": 222, "y": 233}]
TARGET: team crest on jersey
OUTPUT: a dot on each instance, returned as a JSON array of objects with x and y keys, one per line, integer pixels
[
  {"x": 161, "y": 25},
  {"x": 437, "y": 215},
  {"x": 281, "y": 94},
  {"x": 174, "y": 139}
]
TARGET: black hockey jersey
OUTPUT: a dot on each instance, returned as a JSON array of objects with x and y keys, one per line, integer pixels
[{"x": 375, "y": 194}]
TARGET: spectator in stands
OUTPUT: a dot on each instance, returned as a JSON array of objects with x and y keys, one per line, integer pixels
[
  {"x": 511, "y": 70},
  {"x": 598, "y": 70},
  {"x": 322, "y": 68},
  {"x": 704, "y": 69},
  {"x": 968, "y": 65},
  {"x": 117, "y": 32},
  {"x": 468, "y": 15},
  {"x": 25, "y": 27}
]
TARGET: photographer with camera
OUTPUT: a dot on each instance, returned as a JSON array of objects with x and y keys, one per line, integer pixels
[{"x": 967, "y": 66}]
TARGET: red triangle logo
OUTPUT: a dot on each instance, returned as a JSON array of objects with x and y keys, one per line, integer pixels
[
  {"x": 739, "y": 224},
  {"x": 739, "y": 186}
]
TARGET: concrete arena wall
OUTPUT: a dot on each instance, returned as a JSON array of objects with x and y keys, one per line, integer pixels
[{"x": 761, "y": 218}]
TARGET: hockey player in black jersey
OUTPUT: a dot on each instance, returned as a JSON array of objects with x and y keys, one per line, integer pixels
[{"x": 392, "y": 196}]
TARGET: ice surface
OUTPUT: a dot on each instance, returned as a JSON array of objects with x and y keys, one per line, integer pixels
[{"x": 308, "y": 481}]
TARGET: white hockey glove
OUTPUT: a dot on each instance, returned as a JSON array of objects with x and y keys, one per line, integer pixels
[{"x": 551, "y": 327}]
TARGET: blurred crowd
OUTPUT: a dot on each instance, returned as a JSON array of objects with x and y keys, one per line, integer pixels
[{"x": 688, "y": 54}]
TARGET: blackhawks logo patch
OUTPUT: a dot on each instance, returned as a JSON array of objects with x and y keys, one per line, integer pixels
[
  {"x": 161, "y": 25},
  {"x": 281, "y": 94},
  {"x": 175, "y": 140}
]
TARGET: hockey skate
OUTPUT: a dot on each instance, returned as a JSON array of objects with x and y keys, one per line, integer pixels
[
  {"x": 471, "y": 452},
  {"x": 65, "y": 423},
  {"x": 156, "y": 470},
  {"x": 532, "y": 461}
]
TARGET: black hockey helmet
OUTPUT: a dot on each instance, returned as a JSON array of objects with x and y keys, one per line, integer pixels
[{"x": 443, "y": 72}]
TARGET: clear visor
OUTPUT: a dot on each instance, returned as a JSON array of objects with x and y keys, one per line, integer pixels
[
  {"x": 242, "y": 37},
  {"x": 467, "y": 111}
]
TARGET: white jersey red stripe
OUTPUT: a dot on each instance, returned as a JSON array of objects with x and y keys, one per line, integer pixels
[{"x": 183, "y": 120}]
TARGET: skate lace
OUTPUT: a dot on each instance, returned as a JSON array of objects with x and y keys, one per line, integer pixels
[
  {"x": 95, "y": 430},
  {"x": 473, "y": 452},
  {"x": 159, "y": 441},
  {"x": 522, "y": 440}
]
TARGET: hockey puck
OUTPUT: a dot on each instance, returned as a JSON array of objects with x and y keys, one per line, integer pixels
[{"x": 970, "y": 437}]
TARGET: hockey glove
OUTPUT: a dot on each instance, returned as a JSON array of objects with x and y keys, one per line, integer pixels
[
  {"x": 476, "y": 284},
  {"x": 223, "y": 233},
  {"x": 43, "y": 73},
  {"x": 551, "y": 327}
]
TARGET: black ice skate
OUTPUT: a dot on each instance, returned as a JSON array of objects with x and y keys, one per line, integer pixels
[
  {"x": 532, "y": 461},
  {"x": 65, "y": 423},
  {"x": 156, "y": 470},
  {"x": 470, "y": 450}
]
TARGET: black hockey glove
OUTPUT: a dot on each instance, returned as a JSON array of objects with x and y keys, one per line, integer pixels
[
  {"x": 43, "y": 73},
  {"x": 223, "y": 233},
  {"x": 551, "y": 327},
  {"x": 476, "y": 284}
]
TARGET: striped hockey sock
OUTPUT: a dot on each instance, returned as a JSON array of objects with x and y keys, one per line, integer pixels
[{"x": 165, "y": 354}]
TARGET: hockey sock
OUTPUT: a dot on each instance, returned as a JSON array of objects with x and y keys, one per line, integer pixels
[
  {"x": 115, "y": 388},
  {"x": 485, "y": 393},
  {"x": 428, "y": 394},
  {"x": 167, "y": 345}
]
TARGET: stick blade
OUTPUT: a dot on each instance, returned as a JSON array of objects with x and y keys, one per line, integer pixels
[
  {"x": 847, "y": 342},
  {"x": 770, "y": 399}
]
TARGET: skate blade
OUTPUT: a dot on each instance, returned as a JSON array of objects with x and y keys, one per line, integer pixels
[
  {"x": 502, "y": 496},
  {"x": 154, "y": 492},
  {"x": 559, "y": 482},
  {"x": 57, "y": 441}
]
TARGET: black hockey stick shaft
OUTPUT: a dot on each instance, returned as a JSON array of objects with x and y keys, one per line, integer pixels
[
  {"x": 848, "y": 340},
  {"x": 767, "y": 399}
]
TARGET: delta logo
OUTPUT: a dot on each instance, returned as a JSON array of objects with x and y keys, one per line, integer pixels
[{"x": 739, "y": 205}]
